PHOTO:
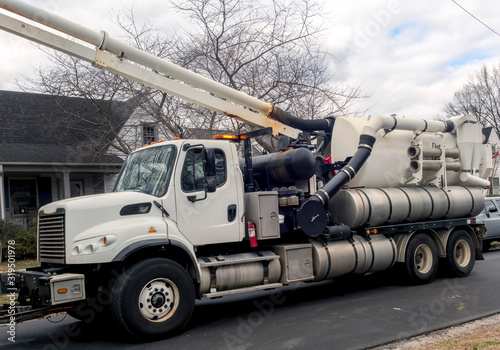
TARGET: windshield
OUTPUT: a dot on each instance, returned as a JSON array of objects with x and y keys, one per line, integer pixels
[{"x": 147, "y": 171}]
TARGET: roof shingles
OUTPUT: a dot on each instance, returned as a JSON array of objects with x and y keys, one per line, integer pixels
[{"x": 55, "y": 129}]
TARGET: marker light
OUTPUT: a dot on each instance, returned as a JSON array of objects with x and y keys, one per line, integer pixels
[{"x": 228, "y": 137}]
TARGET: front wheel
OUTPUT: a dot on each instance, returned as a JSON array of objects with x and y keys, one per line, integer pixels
[
  {"x": 421, "y": 259},
  {"x": 460, "y": 254},
  {"x": 486, "y": 246},
  {"x": 153, "y": 299}
]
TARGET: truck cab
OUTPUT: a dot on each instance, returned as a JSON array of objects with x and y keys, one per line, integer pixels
[
  {"x": 490, "y": 216},
  {"x": 176, "y": 174},
  {"x": 162, "y": 193}
]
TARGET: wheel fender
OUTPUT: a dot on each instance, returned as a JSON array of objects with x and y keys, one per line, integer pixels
[
  {"x": 402, "y": 241},
  {"x": 401, "y": 244},
  {"x": 444, "y": 236},
  {"x": 191, "y": 256},
  {"x": 137, "y": 246}
]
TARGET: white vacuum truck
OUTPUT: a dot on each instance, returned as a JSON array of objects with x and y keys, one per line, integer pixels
[{"x": 188, "y": 219}]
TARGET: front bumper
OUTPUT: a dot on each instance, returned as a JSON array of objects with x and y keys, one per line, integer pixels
[{"x": 39, "y": 292}]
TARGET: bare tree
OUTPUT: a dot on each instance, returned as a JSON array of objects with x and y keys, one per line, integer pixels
[
  {"x": 269, "y": 49},
  {"x": 480, "y": 96},
  {"x": 271, "y": 52}
]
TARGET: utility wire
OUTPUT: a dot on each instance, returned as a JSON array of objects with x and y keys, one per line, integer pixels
[{"x": 477, "y": 19}]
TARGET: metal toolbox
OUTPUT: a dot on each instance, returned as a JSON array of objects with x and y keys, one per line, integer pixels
[
  {"x": 262, "y": 208},
  {"x": 296, "y": 262}
]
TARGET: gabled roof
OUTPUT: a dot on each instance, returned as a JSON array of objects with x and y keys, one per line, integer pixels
[{"x": 38, "y": 128}]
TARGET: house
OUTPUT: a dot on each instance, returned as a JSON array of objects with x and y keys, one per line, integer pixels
[
  {"x": 494, "y": 177},
  {"x": 54, "y": 147}
]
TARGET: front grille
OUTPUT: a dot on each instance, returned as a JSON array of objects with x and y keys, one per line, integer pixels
[{"x": 51, "y": 242}]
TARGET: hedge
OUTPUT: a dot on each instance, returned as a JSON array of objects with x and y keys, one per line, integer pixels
[{"x": 25, "y": 239}]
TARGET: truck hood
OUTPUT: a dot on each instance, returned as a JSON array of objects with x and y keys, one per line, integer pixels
[
  {"x": 98, "y": 201},
  {"x": 87, "y": 219}
]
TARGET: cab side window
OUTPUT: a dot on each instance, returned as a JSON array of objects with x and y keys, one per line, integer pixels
[
  {"x": 496, "y": 204},
  {"x": 490, "y": 207},
  {"x": 193, "y": 172}
]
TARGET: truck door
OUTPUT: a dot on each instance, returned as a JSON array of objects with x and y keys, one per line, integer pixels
[
  {"x": 209, "y": 217},
  {"x": 493, "y": 218}
]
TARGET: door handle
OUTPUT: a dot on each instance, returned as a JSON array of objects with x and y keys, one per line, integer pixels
[{"x": 231, "y": 212}]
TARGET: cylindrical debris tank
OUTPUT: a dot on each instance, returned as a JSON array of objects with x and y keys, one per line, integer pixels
[{"x": 379, "y": 206}]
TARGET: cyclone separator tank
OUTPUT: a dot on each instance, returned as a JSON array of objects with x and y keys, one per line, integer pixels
[
  {"x": 378, "y": 206},
  {"x": 390, "y": 164}
]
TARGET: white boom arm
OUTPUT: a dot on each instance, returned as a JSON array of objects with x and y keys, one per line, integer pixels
[{"x": 113, "y": 55}]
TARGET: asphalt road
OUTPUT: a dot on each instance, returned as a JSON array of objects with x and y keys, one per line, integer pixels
[{"x": 358, "y": 314}]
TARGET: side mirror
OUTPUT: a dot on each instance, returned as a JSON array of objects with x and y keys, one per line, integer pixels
[
  {"x": 211, "y": 184},
  {"x": 210, "y": 162}
]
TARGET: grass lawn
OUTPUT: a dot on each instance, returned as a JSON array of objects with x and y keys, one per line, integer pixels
[{"x": 20, "y": 265}]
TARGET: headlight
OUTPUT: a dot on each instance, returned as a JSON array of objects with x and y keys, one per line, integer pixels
[{"x": 93, "y": 245}]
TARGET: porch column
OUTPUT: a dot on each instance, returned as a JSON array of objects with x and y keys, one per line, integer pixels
[
  {"x": 66, "y": 185},
  {"x": 2, "y": 195}
]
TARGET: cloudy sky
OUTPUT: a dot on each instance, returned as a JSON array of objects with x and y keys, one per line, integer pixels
[{"x": 408, "y": 56}]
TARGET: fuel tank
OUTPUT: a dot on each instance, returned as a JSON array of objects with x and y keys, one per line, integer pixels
[
  {"x": 359, "y": 256},
  {"x": 238, "y": 273}
]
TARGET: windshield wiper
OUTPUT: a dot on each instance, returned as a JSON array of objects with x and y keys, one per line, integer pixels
[{"x": 161, "y": 208}]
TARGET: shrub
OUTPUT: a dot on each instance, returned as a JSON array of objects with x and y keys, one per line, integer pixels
[{"x": 25, "y": 239}]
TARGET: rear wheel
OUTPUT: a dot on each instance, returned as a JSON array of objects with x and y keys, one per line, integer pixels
[
  {"x": 421, "y": 259},
  {"x": 460, "y": 254},
  {"x": 153, "y": 299}
]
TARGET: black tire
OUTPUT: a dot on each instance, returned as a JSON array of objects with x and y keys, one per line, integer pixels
[
  {"x": 89, "y": 313},
  {"x": 421, "y": 259},
  {"x": 153, "y": 299},
  {"x": 486, "y": 246},
  {"x": 94, "y": 310},
  {"x": 460, "y": 254}
]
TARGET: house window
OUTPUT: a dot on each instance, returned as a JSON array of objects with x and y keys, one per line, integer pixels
[
  {"x": 22, "y": 195},
  {"x": 495, "y": 188},
  {"x": 149, "y": 133},
  {"x": 76, "y": 188}
]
